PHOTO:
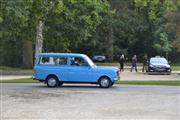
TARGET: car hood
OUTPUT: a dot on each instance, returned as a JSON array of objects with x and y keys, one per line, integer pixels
[
  {"x": 160, "y": 65},
  {"x": 99, "y": 56}
]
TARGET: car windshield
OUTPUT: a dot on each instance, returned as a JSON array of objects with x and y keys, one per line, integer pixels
[
  {"x": 158, "y": 60},
  {"x": 89, "y": 61}
]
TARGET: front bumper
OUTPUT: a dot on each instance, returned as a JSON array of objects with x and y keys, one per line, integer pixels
[
  {"x": 117, "y": 76},
  {"x": 159, "y": 69}
]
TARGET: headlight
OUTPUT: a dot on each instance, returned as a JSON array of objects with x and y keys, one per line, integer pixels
[{"x": 151, "y": 66}]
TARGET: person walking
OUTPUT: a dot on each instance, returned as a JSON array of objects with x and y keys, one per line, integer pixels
[
  {"x": 134, "y": 63},
  {"x": 145, "y": 59},
  {"x": 121, "y": 62}
]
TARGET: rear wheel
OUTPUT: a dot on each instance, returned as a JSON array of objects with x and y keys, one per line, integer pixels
[
  {"x": 105, "y": 82},
  {"x": 52, "y": 81}
]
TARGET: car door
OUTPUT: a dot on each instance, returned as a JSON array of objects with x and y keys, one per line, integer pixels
[{"x": 80, "y": 72}]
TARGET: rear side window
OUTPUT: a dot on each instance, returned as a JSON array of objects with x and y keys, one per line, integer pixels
[
  {"x": 53, "y": 61},
  {"x": 60, "y": 60}
]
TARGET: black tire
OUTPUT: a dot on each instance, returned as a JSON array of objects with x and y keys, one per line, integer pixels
[
  {"x": 52, "y": 81},
  {"x": 168, "y": 73},
  {"x": 105, "y": 82},
  {"x": 60, "y": 84},
  {"x": 112, "y": 84}
]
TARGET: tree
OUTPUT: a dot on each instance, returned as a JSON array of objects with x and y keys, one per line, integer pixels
[
  {"x": 77, "y": 22},
  {"x": 158, "y": 16},
  {"x": 13, "y": 30},
  {"x": 41, "y": 10},
  {"x": 130, "y": 29},
  {"x": 163, "y": 45}
]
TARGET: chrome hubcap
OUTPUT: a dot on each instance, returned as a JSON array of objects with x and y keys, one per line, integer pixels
[
  {"x": 52, "y": 82},
  {"x": 104, "y": 82}
]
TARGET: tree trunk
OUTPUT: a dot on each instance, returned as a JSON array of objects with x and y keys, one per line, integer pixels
[
  {"x": 27, "y": 54},
  {"x": 167, "y": 56},
  {"x": 39, "y": 40},
  {"x": 110, "y": 47}
]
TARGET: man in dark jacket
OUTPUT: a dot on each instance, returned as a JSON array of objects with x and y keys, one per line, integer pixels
[
  {"x": 145, "y": 59},
  {"x": 134, "y": 63},
  {"x": 121, "y": 62}
]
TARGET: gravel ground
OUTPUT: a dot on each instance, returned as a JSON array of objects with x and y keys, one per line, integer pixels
[
  {"x": 127, "y": 75},
  {"x": 36, "y": 101}
]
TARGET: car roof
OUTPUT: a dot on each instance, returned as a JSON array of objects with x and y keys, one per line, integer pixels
[{"x": 62, "y": 54}]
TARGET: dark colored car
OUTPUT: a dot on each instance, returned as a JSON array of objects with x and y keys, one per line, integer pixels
[
  {"x": 99, "y": 57},
  {"x": 158, "y": 65}
]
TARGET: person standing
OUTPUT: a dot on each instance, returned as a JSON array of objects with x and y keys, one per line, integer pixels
[
  {"x": 121, "y": 61},
  {"x": 145, "y": 59},
  {"x": 134, "y": 63}
]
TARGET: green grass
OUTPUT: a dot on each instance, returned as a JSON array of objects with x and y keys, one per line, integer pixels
[
  {"x": 28, "y": 80},
  {"x": 6, "y": 68},
  {"x": 135, "y": 82},
  {"x": 175, "y": 68},
  {"x": 157, "y": 82}
]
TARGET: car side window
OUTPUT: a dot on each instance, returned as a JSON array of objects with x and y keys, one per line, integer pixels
[
  {"x": 46, "y": 61},
  {"x": 60, "y": 60},
  {"x": 53, "y": 61},
  {"x": 77, "y": 61}
]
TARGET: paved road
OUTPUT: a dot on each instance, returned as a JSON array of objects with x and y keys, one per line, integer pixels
[{"x": 36, "y": 101}]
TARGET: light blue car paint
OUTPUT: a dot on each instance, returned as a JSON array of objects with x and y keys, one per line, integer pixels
[{"x": 89, "y": 73}]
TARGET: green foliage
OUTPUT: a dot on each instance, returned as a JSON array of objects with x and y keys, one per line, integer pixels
[
  {"x": 66, "y": 24},
  {"x": 158, "y": 12},
  {"x": 113, "y": 27},
  {"x": 76, "y": 23},
  {"x": 163, "y": 44}
]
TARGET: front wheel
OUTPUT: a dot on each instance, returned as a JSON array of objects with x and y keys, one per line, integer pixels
[
  {"x": 105, "y": 82},
  {"x": 60, "y": 84},
  {"x": 52, "y": 81},
  {"x": 112, "y": 84}
]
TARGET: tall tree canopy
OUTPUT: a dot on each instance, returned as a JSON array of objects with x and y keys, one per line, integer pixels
[{"x": 112, "y": 27}]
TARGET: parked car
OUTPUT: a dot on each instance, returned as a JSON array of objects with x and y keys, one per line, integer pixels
[
  {"x": 158, "y": 65},
  {"x": 54, "y": 69},
  {"x": 99, "y": 57}
]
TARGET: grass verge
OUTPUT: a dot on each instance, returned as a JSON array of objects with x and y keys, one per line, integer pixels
[
  {"x": 175, "y": 68},
  {"x": 135, "y": 82},
  {"x": 7, "y": 68},
  {"x": 27, "y": 80},
  {"x": 157, "y": 82}
]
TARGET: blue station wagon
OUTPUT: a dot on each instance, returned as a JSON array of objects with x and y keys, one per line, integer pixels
[{"x": 54, "y": 69}]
